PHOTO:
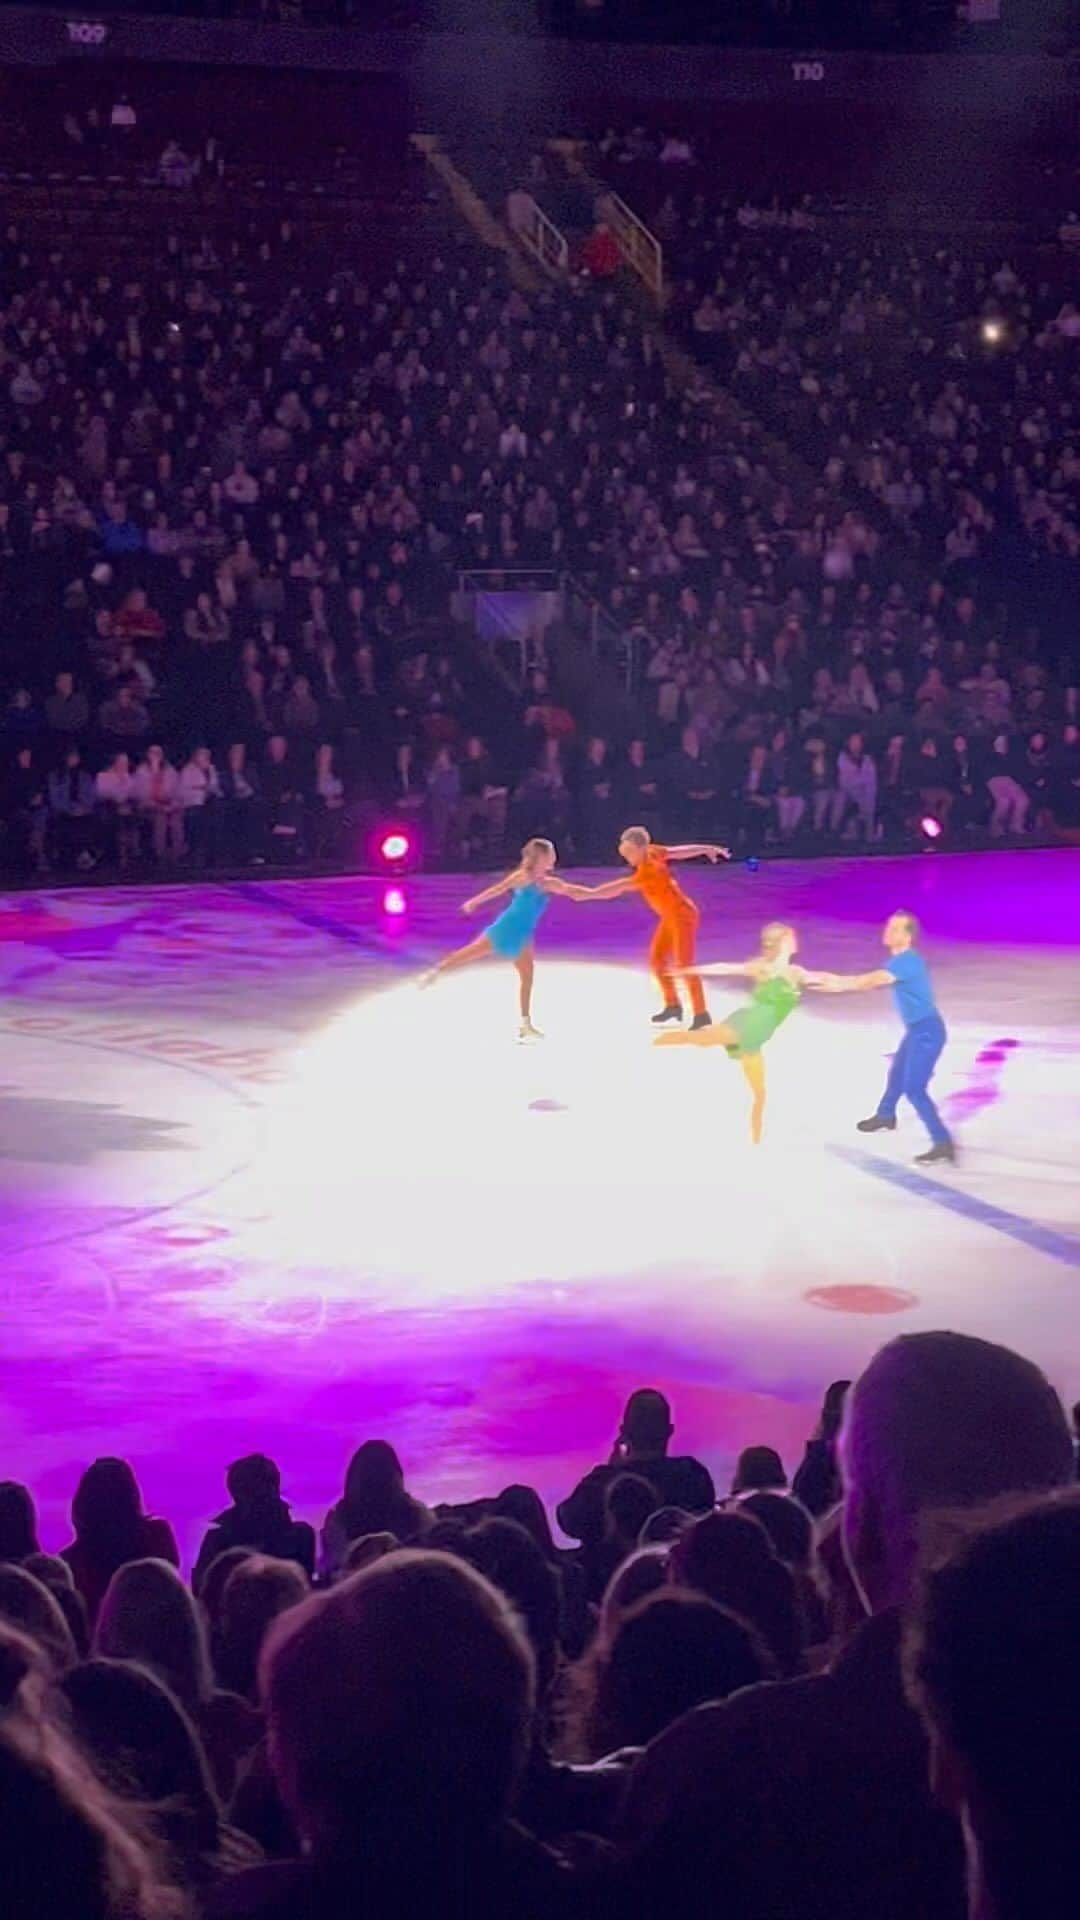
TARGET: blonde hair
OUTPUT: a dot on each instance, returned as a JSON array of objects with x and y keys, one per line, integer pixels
[
  {"x": 773, "y": 937},
  {"x": 149, "y": 1616},
  {"x": 637, "y": 836},
  {"x": 536, "y": 850}
]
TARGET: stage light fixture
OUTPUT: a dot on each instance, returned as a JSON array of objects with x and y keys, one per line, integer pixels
[
  {"x": 394, "y": 848},
  {"x": 930, "y": 827}
]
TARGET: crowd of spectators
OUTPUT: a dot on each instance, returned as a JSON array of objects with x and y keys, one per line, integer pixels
[
  {"x": 808, "y": 1699},
  {"x": 238, "y": 489},
  {"x": 929, "y": 382}
]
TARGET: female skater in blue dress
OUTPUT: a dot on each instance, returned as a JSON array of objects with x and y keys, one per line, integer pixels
[{"x": 510, "y": 937}]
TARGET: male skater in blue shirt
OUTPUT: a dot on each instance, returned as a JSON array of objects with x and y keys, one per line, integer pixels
[{"x": 906, "y": 972}]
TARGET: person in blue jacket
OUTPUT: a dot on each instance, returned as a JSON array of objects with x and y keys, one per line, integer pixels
[{"x": 907, "y": 973}]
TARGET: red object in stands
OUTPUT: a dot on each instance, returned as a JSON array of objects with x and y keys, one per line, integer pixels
[{"x": 600, "y": 255}]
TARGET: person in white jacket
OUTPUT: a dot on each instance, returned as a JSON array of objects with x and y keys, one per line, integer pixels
[
  {"x": 856, "y": 780},
  {"x": 156, "y": 791},
  {"x": 114, "y": 796},
  {"x": 200, "y": 790}
]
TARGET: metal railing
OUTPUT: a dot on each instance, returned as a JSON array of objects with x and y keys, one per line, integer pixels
[
  {"x": 509, "y": 641},
  {"x": 513, "y": 579},
  {"x": 639, "y": 246},
  {"x": 609, "y": 644},
  {"x": 581, "y": 613},
  {"x": 537, "y": 234}
]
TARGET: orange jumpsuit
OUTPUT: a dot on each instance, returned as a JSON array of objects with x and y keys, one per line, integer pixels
[{"x": 676, "y": 932}]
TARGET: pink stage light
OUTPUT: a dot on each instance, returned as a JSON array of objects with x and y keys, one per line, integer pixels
[
  {"x": 930, "y": 828},
  {"x": 394, "y": 847},
  {"x": 394, "y": 903}
]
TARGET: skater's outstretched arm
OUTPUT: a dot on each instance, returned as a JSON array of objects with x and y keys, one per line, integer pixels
[
  {"x": 699, "y": 850},
  {"x": 850, "y": 982},
  {"x": 610, "y": 890},
  {"x": 492, "y": 892},
  {"x": 566, "y": 889},
  {"x": 721, "y": 970}
]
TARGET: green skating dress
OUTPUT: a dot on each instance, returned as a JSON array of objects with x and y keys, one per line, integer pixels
[{"x": 772, "y": 1001}]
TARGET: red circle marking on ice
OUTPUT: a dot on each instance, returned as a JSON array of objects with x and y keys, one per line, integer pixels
[
  {"x": 192, "y": 1236},
  {"x": 861, "y": 1297}
]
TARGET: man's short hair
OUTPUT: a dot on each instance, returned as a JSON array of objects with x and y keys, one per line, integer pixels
[
  {"x": 637, "y": 836},
  {"x": 910, "y": 922},
  {"x": 646, "y": 1420},
  {"x": 759, "y": 1467},
  {"x": 254, "y": 1477},
  {"x": 942, "y": 1420}
]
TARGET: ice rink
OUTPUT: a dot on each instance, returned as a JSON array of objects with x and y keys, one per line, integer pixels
[{"x": 259, "y": 1191}]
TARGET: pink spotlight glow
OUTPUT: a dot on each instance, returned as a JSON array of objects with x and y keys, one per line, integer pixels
[
  {"x": 930, "y": 827},
  {"x": 395, "y": 846},
  {"x": 394, "y": 903}
]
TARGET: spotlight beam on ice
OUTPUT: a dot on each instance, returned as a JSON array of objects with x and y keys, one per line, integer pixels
[{"x": 487, "y": 1164}]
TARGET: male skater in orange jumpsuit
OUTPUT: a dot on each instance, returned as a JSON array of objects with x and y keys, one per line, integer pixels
[{"x": 672, "y": 946}]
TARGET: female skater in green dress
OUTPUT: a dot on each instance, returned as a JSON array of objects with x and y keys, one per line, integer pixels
[{"x": 777, "y": 991}]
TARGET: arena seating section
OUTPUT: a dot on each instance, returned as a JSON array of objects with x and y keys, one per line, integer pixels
[{"x": 818, "y": 510}]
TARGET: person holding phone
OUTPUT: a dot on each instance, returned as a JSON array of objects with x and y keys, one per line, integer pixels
[{"x": 641, "y": 1448}]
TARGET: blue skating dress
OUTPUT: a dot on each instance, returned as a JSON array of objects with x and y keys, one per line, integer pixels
[{"x": 511, "y": 933}]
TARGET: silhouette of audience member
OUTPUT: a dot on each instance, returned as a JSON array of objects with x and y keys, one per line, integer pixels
[
  {"x": 29, "y": 1606},
  {"x": 791, "y": 1531},
  {"x": 400, "y": 1708},
  {"x": 758, "y": 1467},
  {"x": 641, "y": 1448},
  {"x": 18, "y": 1522},
  {"x": 509, "y": 1557},
  {"x": 669, "y": 1653},
  {"x": 55, "y": 1574},
  {"x": 730, "y": 1557},
  {"x": 629, "y": 1502},
  {"x": 992, "y": 1667},
  {"x": 809, "y": 1798},
  {"x": 643, "y": 1573},
  {"x": 374, "y": 1501},
  {"x": 214, "y": 1582},
  {"x": 66, "y": 1849},
  {"x": 149, "y": 1616},
  {"x": 25, "y": 1672},
  {"x": 664, "y": 1526},
  {"x": 524, "y": 1505},
  {"x": 144, "y": 1747},
  {"x": 369, "y": 1548},
  {"x": 787, "y": 1524},
  {"x": 111, "y": 1529},
  {"x": 552, "y": 1800},
  {"x": 255, "y": 1593},
  {"x": 817, "y": 1479},
  {"x": 258, "y": 1518}
]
